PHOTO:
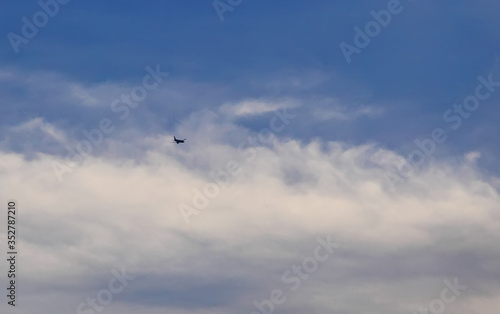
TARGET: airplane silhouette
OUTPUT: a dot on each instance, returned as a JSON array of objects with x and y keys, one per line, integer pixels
[{"x": 177, "y": 141}]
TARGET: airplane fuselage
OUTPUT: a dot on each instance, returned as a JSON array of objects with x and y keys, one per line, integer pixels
[{"x": 177, "y": 141}]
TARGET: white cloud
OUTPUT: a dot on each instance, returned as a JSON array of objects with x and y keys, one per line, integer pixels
[
  {"x": 39, "y": 125},
  {"x": 120, "y": 207},
  {"x": 472, "y": 156},
  {"x": 251, "y": 107},
  {"x": 334, "y": 109},
  {"x": 112, "y": 212}
]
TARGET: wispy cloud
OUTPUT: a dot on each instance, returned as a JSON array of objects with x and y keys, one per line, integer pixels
[
  {"x": 334, "y": 109},
  {"x": 252, "y": 107},
  {"x": 36, "y": 125}
]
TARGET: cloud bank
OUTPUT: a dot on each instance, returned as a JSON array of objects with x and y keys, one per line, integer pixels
[{"x": 112, "y": 234}]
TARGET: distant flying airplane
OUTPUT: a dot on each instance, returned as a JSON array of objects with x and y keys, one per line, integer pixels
[{"x": 177, "y": 141}]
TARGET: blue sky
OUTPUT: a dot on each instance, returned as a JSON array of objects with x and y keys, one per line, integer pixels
[
  {"x": 426, "y": 59},
  {"x": 349, "y": 128}
]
